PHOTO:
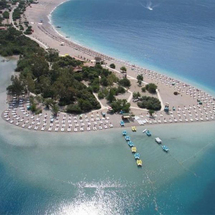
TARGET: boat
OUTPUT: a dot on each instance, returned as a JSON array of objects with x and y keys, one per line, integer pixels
[
  {"x": 124, "y": 133},
  {"x": 165, "y": 148},
  {"x": 137, "y": 156},
  {"x": 133, "y": 149},
  {"x": 158, "y": 140},
  {"x": 139, "y": 163},
  {"x": 127, "y": 138},
  {"x": 133, "y": 128},
  {"x": 144, "y": 131},
  {"x": 122, "y": 123},
  {"x": 130, "y": 143},
  {"x": 148, "y": 133}
]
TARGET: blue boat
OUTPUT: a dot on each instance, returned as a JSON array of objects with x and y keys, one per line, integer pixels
[
  {"x": 131, "y": 144},
  {"x": 124, "y": 133},
  {"x": 148, "y": 133},
  {"x": 165, "y": 148},
  {"x": 122, "y": 123},
  {"x": 137, "y": 156},
  {"x": 127, "y": 138}
]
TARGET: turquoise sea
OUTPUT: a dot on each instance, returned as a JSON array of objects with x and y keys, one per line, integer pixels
[
  {"x": 95, "y": 173},
  {"x": 169, "y": 36}
]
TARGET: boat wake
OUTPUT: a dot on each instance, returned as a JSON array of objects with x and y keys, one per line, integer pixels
[{"x": 148, "y": 5}]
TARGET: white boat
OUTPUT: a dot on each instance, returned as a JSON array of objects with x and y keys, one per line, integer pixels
[
  {"x": 158, "y": 140},
  {"x": 144, "y": 130}
]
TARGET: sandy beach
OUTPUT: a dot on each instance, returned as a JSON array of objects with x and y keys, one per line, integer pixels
[{"x": 184, "y": 107}]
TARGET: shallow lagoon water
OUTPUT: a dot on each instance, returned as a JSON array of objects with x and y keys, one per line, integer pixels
[{"x": 95, "y": 173}]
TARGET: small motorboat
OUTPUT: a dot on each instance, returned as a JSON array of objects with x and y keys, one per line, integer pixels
[
  {"x": 158, "y": 140},
  {"x": 165, "y": 148}
]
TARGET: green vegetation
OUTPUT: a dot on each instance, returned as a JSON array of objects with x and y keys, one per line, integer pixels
[
  {"x": 112, "y": 66},
  {"x": 136, "y": 95},
  {"x": 143, "y": 89},
  {"x": 151, "y": 88},
  {"x": 125, "y": 82},
  {"x": 139, "y": 79},
  {"x": 151, "y": 112},
  {"x": 51, "y": 76},
  {"x": 149, "y": 103},
  {"x": 120, "y": 105},
  {"x": 6, "y": 15},
  {"x": 123, "y": 69}
]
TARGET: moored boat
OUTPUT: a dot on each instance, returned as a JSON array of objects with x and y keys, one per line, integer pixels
[
  {"x": 158, "y": 140},
  {"x": 137, "y": 156},
  {"x": 144, "y": 131},
  {"x": 165, "y": 148},
  {"x": 130, "y": 143},
  {"x": 133, "y": 149},
  {"x": 133, "y": 128},
  {"x": 148, "y": 133},
  {"x": 127, "y": 138},
  {"x": 139, "y": 163},
  {"x": 122, "y": 123},
  {"x": 124, "y": 133}
]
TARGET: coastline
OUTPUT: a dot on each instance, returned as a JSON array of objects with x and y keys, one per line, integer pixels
[{"x": 188, "y": 109}]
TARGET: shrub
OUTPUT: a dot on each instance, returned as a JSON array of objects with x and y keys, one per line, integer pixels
[{"x": 143, "y": 89}]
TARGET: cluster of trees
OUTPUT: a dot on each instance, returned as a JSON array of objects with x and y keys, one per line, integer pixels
[
  {"x": 110, "y": 93},
  {"x": 149, "y": 103},
  {"x": 49, "y": 75},
  {"x": 19, "y": 10},
  {"x": 13, "y": 42},
  {"x": 125, "y": 82},
  {"x": 151, "y": 88},
  {"x": 120, "y": 105}
]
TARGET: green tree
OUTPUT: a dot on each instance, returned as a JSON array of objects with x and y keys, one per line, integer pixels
[
  {"x": 151, "y": 87},
  {"x": 112, "y": 65},
  {"x": 110, "y": 97},
  {"x": 48, "y": 103},
  {"x": 52, "y": 54},
  {"x": 16, "y": 87},
  {"x": 6, "y": 15},
  {"x": 120, "y": 105},
  {"x": 143, "y": 89},
  {"x": 55, "y": 109},
  {"x": 39, "y": 66},
  {"x": 125, "y": 82},
  {"x": 123, "y": 69},
  {"x": 151, "y": 112},
  {"x": 136, "y": 95}
]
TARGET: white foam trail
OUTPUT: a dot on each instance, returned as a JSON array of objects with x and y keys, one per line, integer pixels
[{"x": 149, "y": 5}]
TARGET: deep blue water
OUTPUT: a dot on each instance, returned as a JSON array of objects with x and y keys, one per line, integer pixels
[{"x": 170, "y": 36}]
